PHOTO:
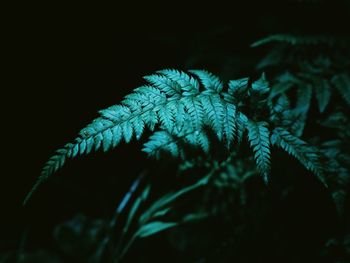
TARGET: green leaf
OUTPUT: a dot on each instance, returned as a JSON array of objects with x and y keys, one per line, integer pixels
[
  {"x": 127, "y": 131},
  {"x": 294, "y": 40},
  {"x": 195, "y": 216},
  {"x": 214, "y": 110},
  {"x": 308, "y": 156},
  {"x": 167, "y": 200},
  {"x": 138, "y": 126},
  {"x": 189, "y": 85},
  {"x": 174, "y": 103},
  {"x": 154, "y": 228},
  {"x": 283, "y": 83},
  {"x": 342, "y": 83},
  {"x": 241, "y": 124},
  {"x": 195, "y": 110},
  {"x": 161, "y": 141},
  {"x": 304, "y": 95},
  {"x": 166, "y": 115},
  {"x": 323, "y": 93},
  {"x": 107, "y": 139},
  {"x": 238, "y": 87},
  {"x": 135, "y": 207},
  {"x": 229, "y": 123},
  {"x": 259, "y": 138},
  {"x": 165, "y": 84},
  {"x": 198, "y": 138},
  {"x": 209, "y": 81},
  {"x": 261, "y": 86}
]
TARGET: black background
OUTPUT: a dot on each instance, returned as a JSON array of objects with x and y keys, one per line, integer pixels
[{"x": 63, "y": 63}]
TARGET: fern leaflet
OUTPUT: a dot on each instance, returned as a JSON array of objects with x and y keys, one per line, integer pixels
[
  {"x": 209, "y": 81},
  {"x": 259, "y": 138},
  {"x": 342, "y": 83},
  {"x": 309, "y": 156},
  {"x": 323, "y": 94},
  {"x": 229, "y": 123},
  {"x": 295, "y": 40}
]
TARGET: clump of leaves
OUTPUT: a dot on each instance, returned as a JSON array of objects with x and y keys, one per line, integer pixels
[{"x": 226, "y": 126}]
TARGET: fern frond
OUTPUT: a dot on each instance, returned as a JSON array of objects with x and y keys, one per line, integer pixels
[
  {"x": 147, "y": 105},
  {"x": 150, "y": 118},
  {"x": 144, "y": 96},
  {"x": 281, "y": 106},
  {"x": 181, "y": 109},
  {"x": 189, "y": 85},
  {"x": 214, "y": 109},
  {"x": 198, "y": 138},
  {"x": 259, "y": 138},
  {"x": 173, "y": 93},
  {"x": 53, "y": 165},
  {"x": 273, "y": 58},
  {"x": 342, "y": 83},
  {"x": 261, "y": 86},
  {"x": 238, "y": 88},
  {"x": 304, "y": 95},
  {"x": 195, "y": 110},
  {"x": 323, "y": 94},
  {"x": 307, "y": 155},
  {"x": 229, "y": 123},
  {"x": 180, "y": 115},
  {"x": 161, "y": 141},
  {"x": 295, "y": 40},
  {"x": 241, "y": 124},
  {"x": 165, "y": 84},
  {"x": 335, "y": 120},
  {"x": 209, "y": 81},
  {"x": 166, "y": 115},
  {"x": 283, "y": 83}
]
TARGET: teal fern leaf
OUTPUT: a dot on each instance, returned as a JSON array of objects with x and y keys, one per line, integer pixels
[
  {"x": 237, "y": 88},
  {"x": 261, "y": 86},
  {"x": 189, "y": 85},
  {"x": 342, "y": 83},
  {"x": 214, "y": 109},
  {"x": 241, "y": 124},
  {"x": 182, "y": 110},
  {"x": 209, "y": 81},
  {"x": 166, "y": 115},
  {"x": 172, "y": 100},
  {"x": 168, "y": 86},
  {"x": 283, "y": 83},
  {"x": 323, "y": 94},
  {"x": 198, "y": 138},
  {"x": 295, "y": 40},
  {"x": 153, "y": 228},
  {"x": 161, "y": 141},
  {"x": 259, "y": 138},
  {"x": 229, "y": 123},
  {"x": 307, "y": 155},
  {"x": 304, "y": 96},
  {"x": 147, "y": 106},
  {"x": 195, "y": 110}
]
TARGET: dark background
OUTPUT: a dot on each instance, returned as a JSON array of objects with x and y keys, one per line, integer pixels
[{"x": 64, "y": 63}]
